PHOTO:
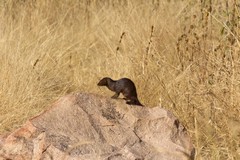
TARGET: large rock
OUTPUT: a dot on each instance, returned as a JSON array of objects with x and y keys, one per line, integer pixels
[{"x": 87, "y": 126}]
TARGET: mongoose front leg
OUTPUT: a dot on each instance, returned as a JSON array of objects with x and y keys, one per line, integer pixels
[
  {"x": 115, "y": 96},
  {"x": 129, "y": 102}
]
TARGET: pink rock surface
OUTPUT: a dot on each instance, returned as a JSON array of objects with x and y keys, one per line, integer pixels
[{"x": 86, "y": 126}]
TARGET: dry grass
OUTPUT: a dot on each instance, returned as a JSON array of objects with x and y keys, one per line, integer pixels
[{"x": 183, "y": 55}]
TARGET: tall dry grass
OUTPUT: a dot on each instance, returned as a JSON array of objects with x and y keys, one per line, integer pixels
[{"x": 183, "y": 55}]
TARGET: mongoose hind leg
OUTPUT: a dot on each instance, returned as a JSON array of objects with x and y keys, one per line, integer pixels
[{"x": 134, "y": 102}]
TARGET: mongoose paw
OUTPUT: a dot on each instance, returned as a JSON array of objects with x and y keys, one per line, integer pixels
[{"x": 114, "y": 97}]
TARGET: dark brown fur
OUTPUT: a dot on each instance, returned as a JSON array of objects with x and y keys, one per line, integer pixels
[{"x": 124, "y": 86}]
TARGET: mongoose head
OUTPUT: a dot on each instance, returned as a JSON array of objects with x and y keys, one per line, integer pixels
[{"x": 104, "y": 81}]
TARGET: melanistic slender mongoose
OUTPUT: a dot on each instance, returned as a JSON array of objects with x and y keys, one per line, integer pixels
[{"x": 124, "y": 86}]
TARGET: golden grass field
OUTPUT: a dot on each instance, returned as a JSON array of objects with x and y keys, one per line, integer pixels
[{"x": 182, "y": 54}]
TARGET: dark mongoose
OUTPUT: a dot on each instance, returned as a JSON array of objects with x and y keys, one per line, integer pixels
[{"x": 124, "y": 86}]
